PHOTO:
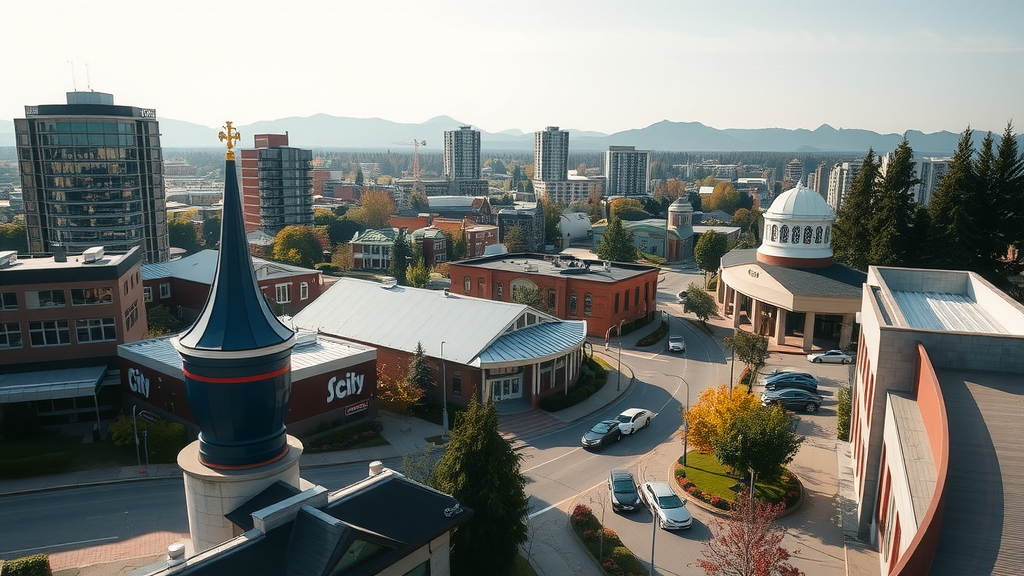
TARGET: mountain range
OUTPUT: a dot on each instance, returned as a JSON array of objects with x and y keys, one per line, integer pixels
[{"x": 324, "y": 131}]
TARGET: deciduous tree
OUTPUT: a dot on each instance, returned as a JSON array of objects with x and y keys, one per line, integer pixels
[
  {"x": 374, "y": 211},
  {"x": 342, "y": 258},
  {"x": 182, "y": 233},
  {"x": 418, "y": 274},
  {"x": 617, "y": 243},
  {"x": 13, "y": 236},
  {"x": 396, "y": 394},
  {"x": 761, "y": 440},
  {"x": 552, "y": 219},
  {"x": 713, "y": 413},
  {"x": 514, "y": 239},
  {"x": 297, "y": 245},
  {"x": 748, "y": 543},
  {"x": 708, "y": 251},
  {"x": 629, "y": 209},
  {"x": 482, "y": 471},
  {"x": 750, "y": 348},
  {"x": 725, "y": 197},
  {"x": 700, "y": 302}
]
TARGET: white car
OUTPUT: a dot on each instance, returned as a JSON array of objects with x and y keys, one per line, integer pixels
[
  {"x": 666, "y": 505},
  {"x": 634, "y": 419},
  {"x": 676, "y": 343},
  {"x": 834, "y": 356}
]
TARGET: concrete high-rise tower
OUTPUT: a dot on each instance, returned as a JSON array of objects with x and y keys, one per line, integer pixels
[
  {"x": 627, "y": 170},
  {"x": 551, "y": 154},
  {"x": 92, "y": 175},
  {"x": 277, "y": 185},
  {"x": 462, "y": 154}
]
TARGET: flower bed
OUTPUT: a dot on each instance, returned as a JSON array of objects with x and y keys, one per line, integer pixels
[
  {"x": 710, "y": 484},
  {"x": 363, "y": 434},
  {"x": 604, "y": 544}
]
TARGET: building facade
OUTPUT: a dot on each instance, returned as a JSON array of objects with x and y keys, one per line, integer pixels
[
  {"x": 929, "y": 171},
  {"x": 529, "y": 217},
  {"x": 794, "y": 172},
  {"x": 627, "y": 171},
  {"x": 601, "y": 293},
  {"x": 839, "y": 181},
  {"x": 371, "y": 249},
  {"x": 277, "y": 185},
  {"x": 433, "y": 245},
  {"x": 573, "y": 189},
  {"x": 92, "y": 175},
  {"x": 462, "y": 154},
  {"x": 550, "y": 154}
]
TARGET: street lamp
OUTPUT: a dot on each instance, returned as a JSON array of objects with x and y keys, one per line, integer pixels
[
  {"x": 751, "y": 489},
  {"x": 444, "y": 397},
  {"x": 135, "y": 424},
  {"x": 686, "y": 410},
  {"x": 618, "y": 377}
]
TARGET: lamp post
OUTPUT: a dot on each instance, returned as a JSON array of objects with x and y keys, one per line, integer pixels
[
  {"x": 751, "y": 489},
  {"x": 732, "y": 365},
  {"x": 444, "y": 397},
  {"x": 686, "y": 410},
  {"x": 618, "y": 377},
  {"x": 135, "y": 425}
]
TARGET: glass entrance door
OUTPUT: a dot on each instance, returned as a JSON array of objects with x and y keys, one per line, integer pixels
[{"x": 506, "y": 388}]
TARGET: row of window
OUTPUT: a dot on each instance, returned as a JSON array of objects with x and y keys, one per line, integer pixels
[
  {"x": 58, "y": 332},
  {"x": 783, "y": 235},
  {"x": 283, "y": 292},
  {"x": 57, "y": 298},
  {"x": 588, "y": 300}
]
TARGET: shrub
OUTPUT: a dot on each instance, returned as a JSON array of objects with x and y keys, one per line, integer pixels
[
  {"x": 53, "y": 463},
  {"x": 341, "y": 439},
  {"x": 35, "y": 565},
  {"x": 843, "y": 407},
  {"x": 164, "y": 441},
  {"x": 326, "y": 267},
  {"x": 626, "y": 560},
  {"x": 654, "y": 337}
]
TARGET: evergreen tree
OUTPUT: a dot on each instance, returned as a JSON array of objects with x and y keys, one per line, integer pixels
[
  {"x": 1007, "y": 192},
  {"x": 953, "y": 209},
  {"x": 617, "y": 243},
  {"x": 890, "y": 225},
  {"x": 401, "y": 253},
  {"x": 419, "y": 370},
  {"x": 359, "y": 178},
  {"x": 482, "y": 471},
  {"x": 851, "y": 236}
]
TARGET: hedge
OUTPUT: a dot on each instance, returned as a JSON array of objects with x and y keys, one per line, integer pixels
[
  {"x": 164, "y": 440},
  {"x": 35, "y": 565},
  {"x": 593, "y": 379},
  {"x": 843, "y": 408},
  {"x": 53, "y": 463}
]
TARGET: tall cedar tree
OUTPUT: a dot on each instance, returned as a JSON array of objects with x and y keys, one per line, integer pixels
[
  {"x": 851, "y": 238},
  {"x": 617, "y": 243},
  {"x": 482, "y": 471},
  {"x": 890, "y": 226},
  {"x": 747, "y": 544},
  {"x": 953, "y": 209},
  {"x": 419, "y": 370},
  {"x": 401, "y": 253},
  {"x": 1007, "y": 193}
]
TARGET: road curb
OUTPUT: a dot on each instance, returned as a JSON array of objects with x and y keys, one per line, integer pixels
[{"x": 725, "y": 513}]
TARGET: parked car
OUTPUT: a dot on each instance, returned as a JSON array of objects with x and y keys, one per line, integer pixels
[
  {"x": 622, "y": 491},
  {"x": 604, "y": 432},
  {"x": 794, "y": 380},
  {"x": 669, "y": 509},
  {"x": 792, "y": 398},
  {"x": 834, "y": 356},
  {"x": 676, "y": 343},
  {"x": 634, "y": 419},
  {"x": 681, "y": 297},
  {"x": 778, "y": 371}
]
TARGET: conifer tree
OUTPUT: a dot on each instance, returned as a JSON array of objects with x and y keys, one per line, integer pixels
[
  {"x": 419, "y": 369},
  {"x": 401, "y": 252},
  {"x": 482, "y": 471},
  {"x": 893, "y": 210},
  {"x": 953, "y": 209},
  {"x": 851, "y": 235},
  {"x": 1007, "y": 192},
  {"x": 617, "y": 243}
]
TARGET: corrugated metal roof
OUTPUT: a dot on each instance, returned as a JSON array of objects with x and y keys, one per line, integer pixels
[
  {"x": 946, "y": 311},
  {"x": 536, "y": 342},
  {"x": 383, "y": 236},
  {"x": 50, "y": 384},
  {"x": 400, "y": 317},
  {"x": 201, "y": 266}
]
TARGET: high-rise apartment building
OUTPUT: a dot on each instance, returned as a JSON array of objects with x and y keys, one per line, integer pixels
[
  {"x": 793, "y": 173},
  {"x": 277, "y": 185},
  {"x": 462, "y": 154},
  {"x": 627, "y": 170},
  {"x": 92, "y": 175},
  {"x": 930, "y": 172},
  {"x": 839, "y": 180},
  {"x": 550, "y": 154}
]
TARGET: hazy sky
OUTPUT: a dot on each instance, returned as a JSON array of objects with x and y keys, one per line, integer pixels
[{"x": 590, "y": 65}]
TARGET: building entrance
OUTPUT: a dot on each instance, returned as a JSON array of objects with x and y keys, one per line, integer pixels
[{"x": 506, "y": 387}]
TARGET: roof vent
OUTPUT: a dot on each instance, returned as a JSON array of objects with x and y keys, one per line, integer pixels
[
  {"x": 304, "y": 338},
  {"x": 607, "y": 265},
  {"x": 93, "y": 254},
  {"x": 388, "y": 282},
  {"x": 376, "y": 467},
  {"x": 60, "y": 253},
  {"x": 8, "y": 257},
  {"x": 175, "y": 554},
  {"x": 447, "y": 292}
]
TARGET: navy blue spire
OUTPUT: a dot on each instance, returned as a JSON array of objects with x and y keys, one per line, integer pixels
[{"x": 236, "y": 316}]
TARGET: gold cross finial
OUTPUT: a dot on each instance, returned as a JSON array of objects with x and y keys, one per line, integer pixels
[{"x": 232, "y": 136}]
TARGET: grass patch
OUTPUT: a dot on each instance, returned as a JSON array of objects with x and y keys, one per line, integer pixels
[
  {"x": 702, "y": 326},
  {"x": 83, "y": 456},
  {"x": 654, "y": 337},
  {"x": 600, "y": 362},
  {"x": 362, "y": 435},
  {"x": 604, "y": 544},
  {"x": 710, "y": 477}
]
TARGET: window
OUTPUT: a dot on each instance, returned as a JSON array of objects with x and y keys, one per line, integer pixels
[
  {"x": 165, "y": 290},
  {"x": 467, "y": 284},
  {"x": 784, "y": 234},
  {"x": 9, "y": 301},
  {"x": 95, "y": 330},
  {"x": 551, "y": 300},
  {"x": 616, "y": 310},
  {"x": 304, "y": 291},
  {"x": 625, "y": 298},
  {"x": 10, "y": 335},
  {"x": 647, "y": 286},
  {"x": 500, "y": 291},
  {"x": 147, "y": 293},
  {"x": 480, "y": 287},
  {"x": 90, "y": 296},
  {"x": 775, "y": 232},
  {"x": 44, "y": 299},
  {"x": 438, "y": 258},
  {"x": 49, "y": 333},
  {"x": 572, "y": 304},
  {"x": 796, "y": 234},
  {"x": 807, "y": 234},
  {"x": 131, "y": 315},
  {"x": 457, "y": 384},
  {"x": 588, "y": 304},
  {"x": 827, "y": 230},
  {"x": 817, "y": 235},
  {"x": 636, "y": 296},
  {"x": 283, "y": 293}
]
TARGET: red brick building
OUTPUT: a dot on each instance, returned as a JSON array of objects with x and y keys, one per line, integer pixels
[
  {"x": 433, "y": 243},
  {"x": 604, "y": 294}
]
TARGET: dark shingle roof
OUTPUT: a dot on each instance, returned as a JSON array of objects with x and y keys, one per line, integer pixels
[{"x": 836, "y": 281}]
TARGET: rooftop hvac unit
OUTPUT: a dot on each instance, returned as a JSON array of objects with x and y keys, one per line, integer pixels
[
  {"x": 607, "y": 265},
  {"x": 93, "y": 254},
  {"x": 304, "y": 338},
  {"x": 388, "y": 282},
  {"x": 8, "y": 257}
]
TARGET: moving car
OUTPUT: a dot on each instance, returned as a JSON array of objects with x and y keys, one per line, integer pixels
[
  {"x": 834, "y": 356},
  {"x": 604, "y": 432},
  {"x": 681, "y": 297},
  {"x": 666, "y": 505},
  {"x": 793, "y": 380},
  {"x": 792, "y": 398},
  {"x": 634, "y": 419},
  {"x": 676, "y": 343},
  {"x": 622, "y": 491}
]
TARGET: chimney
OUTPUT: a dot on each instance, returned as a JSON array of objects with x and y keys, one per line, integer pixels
[
  {"x": 376, "y": 467},
  {"x": 60, "y": 253}
]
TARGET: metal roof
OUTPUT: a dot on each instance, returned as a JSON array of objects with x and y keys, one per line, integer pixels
[
  {"x": 536, "y": 343},
  {"x": 383, "y": 236},
  {"x": 400, "y": 317},
  {"x": 50, "y": 384},
  {"x": 946, "y": 311},
  {"x": 835, "y": 281},
  {"x": 201, "y": 267}
]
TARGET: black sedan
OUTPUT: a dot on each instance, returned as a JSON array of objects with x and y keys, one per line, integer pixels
[
  {"x": 604, "y": 432},
  {"x": 622, "y": 491},
  {"x": 792, "y": 380},
  {"x": 793, "y": 399}
]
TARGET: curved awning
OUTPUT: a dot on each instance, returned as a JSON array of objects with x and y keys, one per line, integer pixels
[
  {"x": 51, "y": 384},
  {"x": 537, "y": 343}
]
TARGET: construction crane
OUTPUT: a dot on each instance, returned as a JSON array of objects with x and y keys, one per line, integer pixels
[{"x": 415, "y": 154}]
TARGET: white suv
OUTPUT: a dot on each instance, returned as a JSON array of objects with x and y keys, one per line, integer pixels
[{"x": 676, "y": 343}]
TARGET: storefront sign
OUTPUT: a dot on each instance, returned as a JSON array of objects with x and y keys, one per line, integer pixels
[
  {"x": 357, "y": 407},
  {"x": 137, "y": 382},
  {"x": 351, "y": 385}
]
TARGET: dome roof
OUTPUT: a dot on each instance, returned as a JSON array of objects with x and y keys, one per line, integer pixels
[
  {"x": 680, "y": 205},
  {"x": 800, "y": 203}
]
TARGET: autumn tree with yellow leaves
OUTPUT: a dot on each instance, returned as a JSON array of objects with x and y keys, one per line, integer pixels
[{"x": 714, "y": 413}]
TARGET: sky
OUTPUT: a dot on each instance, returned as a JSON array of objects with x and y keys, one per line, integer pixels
[{"x": 887, "y": 66}]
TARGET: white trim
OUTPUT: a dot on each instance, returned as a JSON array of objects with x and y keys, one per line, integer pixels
[{"x": 234, "y": 354}]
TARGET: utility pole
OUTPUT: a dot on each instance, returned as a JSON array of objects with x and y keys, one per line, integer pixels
[{"x": 444, "y": 396}]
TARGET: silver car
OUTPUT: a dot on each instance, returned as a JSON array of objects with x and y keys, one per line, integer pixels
[
  {"x": 833, "y": 356},
  {"x": 666, "y": 505}
]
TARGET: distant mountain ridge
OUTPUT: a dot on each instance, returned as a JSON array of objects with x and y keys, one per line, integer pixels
[{"x": 325, "y": 131}]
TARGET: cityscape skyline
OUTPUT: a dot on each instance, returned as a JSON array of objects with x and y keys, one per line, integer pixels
[{"x": 741, "y": 65}]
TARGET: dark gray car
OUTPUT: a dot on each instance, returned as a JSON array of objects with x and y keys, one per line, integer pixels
[
  {"x": 792, "y": 399},
  {"x": 792, "y": 380},
  {"x": 622, "y": 491}
]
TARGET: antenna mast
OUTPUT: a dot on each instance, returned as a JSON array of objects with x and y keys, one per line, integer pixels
[{"x": 73, "y": 82}]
